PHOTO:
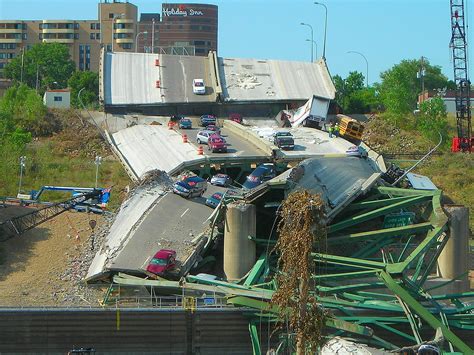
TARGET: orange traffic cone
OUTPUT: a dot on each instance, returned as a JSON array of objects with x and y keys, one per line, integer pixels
[
  {"x": 185, "y": 138},
  {"x": 200, "y": 150},
  {"x": 170, "y": 125}
]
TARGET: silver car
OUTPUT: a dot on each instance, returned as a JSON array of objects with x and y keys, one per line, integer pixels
[
  {"x": 221, "y": 180},
  {"x": 203, "y": 136}
]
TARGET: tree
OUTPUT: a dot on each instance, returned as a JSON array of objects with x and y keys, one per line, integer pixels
[
  {"x": 49, "y": 62},
  {"x": 21, "y": 108},
  {"x": 432, "y": 119},
  {"x": 353, "y": 96},
  {"x": 87, "y": 80},
  {"x": 400, "y": 85}
]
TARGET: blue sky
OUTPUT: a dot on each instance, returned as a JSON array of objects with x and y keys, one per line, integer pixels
[{"x": 385, "y": 31}]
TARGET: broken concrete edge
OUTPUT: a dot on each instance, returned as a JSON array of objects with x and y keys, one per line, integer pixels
[
  {"x": 215, "y": 75},
  {"x": 128, "y": 168},
  {"x": 374, "y": 157}
]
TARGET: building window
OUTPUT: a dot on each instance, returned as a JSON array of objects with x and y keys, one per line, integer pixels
[
  {"x": 40, "y": 26},
  {"x": 76, "y": 26},
  {"x": 199, "y": 43},
  {"x": 40, "y": 36},
  {"x": 126, "y": 45},
  {"x": 97, "y": 36},
  {"x": 92, "y": 26},
  {"x": 81, "y": 66},
  {"x": 24, "y": 36},
  {"x": 111, "y": 15},
  {"x": 200, "y": 50},
  {"x": 109, "y": 48},
  {"x": 58, "y": 98},
  {"x": 24, "y": 26},
  {"x": 92, "y": 36},
  {"x": 76, "y": 35},
  {"x": 97, "y": 26},
  {"x": 88, "y": 66}
]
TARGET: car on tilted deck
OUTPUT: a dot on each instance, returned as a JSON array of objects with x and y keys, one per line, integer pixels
[
  {"x": 185, "y": 123},
  {"x": 221, "y": 180},
  {"x": 217, "y": 144},
  {"x": 214, "y": 200},
  {"x": 164, "y": 260}
]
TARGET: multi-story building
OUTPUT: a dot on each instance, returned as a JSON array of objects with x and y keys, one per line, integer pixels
[{"x": 117, "y": 28}]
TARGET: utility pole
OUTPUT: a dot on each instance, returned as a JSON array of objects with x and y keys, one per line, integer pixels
[
  {"x": 37, "y": 76},
  {"x": 152, "y": 34},
  {"x": 22, "y": 166},
  {"x": 421, "y": 74},
  {"x": 97, "y": 162},
  {"x": 22, "y": 63}
]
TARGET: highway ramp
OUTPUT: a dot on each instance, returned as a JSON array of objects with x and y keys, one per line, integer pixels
[{"x": 171, "y": 223}]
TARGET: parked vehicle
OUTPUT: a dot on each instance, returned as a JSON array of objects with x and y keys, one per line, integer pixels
[
  {"x": 221, "y": 180},
  {"x": 262, "y": 173},
  {"x": 217, "y": 144},
  {"x": 190, "y": 187},
  {"x": 213, "y": 128},
  {"x": 350, "y": 129},
  {"x": 203, "y": 136},
  {"x": 176, "y": 118},
  {"x": 163, "y": 261},
  {"x": 214, "y": 199},
  {"x": 198, "y": 87},
  {"x": 185, "y": 123},
  {"x": 236, "y": 117},
  {"x": 207, "y": 120},
  {"x": 284, "y": 140}
]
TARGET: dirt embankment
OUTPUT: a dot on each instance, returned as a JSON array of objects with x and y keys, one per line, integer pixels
[{"x": 45, "y": 266}]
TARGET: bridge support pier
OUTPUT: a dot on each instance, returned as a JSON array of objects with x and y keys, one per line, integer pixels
[{"x": 239, "y": 250}]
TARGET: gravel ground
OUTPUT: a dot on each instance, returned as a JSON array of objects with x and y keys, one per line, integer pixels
[{"x": 45, "y": 266}]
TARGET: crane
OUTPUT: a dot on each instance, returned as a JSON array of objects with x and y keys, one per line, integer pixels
[{"x": 464, "y": 141}]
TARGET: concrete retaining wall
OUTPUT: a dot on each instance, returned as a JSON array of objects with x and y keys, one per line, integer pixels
[
  {"x": 243, "y": 132},
  {"x": 130, "y": 331}
]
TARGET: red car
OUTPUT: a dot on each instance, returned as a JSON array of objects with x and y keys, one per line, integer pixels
[
  {"x": 164, "y": 260},
  {"x": 236, "y": 117},
  {"x": 217, "y": 144}
]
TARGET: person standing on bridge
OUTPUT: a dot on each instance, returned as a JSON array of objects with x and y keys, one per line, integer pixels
[
  {"x": 336, "y": 129},
  {"x": 331, "y": 129}
]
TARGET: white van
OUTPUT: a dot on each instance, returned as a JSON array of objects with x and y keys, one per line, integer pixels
[{"x": 198, "y": 87}]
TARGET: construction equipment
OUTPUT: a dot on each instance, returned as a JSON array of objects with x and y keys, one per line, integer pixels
[
  {"x": 464, "y": 141},
  {"x": 96, "y": 204},
  {"x": 20, "y": 224}
]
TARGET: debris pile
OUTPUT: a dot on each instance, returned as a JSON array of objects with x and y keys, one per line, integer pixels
[{"x": 302, "y": 224}]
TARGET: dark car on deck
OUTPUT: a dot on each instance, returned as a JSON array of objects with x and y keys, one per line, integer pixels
[
  {"x": 185, "y": 123},
  {"x": 163, "y": 261},
  {"x": 190, "y": 187},
  {"x": 207, "y": 120},
  {"x": 284, "y": 140},
  {"x": 214, "y": 199},
  {"x": 262, "y": 173}
]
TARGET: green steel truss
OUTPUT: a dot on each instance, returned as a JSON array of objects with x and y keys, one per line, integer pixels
[{"x": 372, "y": 278}]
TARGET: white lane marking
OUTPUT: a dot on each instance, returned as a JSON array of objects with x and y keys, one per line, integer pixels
[{"x": 184, "y": 212}]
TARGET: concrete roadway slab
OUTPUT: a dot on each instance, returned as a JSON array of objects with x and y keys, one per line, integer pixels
[
  {"x": 235, "y": 145},
  {"x": 172, "y": 223},
  {"x": 177, "y": 74}
]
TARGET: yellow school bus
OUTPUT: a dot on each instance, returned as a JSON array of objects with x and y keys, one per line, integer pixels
[{"x": 350, "y": 128}]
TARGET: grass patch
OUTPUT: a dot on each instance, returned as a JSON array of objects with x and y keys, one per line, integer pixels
[{"x": 64, "y": 159}]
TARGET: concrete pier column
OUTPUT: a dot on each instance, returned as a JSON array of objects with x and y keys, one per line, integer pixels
[
  {"x": 239, "y": 251},
  {"x": 454, "y": 259}
]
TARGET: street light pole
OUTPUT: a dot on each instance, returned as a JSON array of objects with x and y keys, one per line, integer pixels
[
  {"x": 325, "y": 28},
  {"x": 136, "y": 39},
  {"x": 312, "y": 40},
  {"x": 22, "y": 165},
  {"x": 97, "y": 162},
  {"x": 315, "y": 46},
  {"x": 367, "y": 66}
]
